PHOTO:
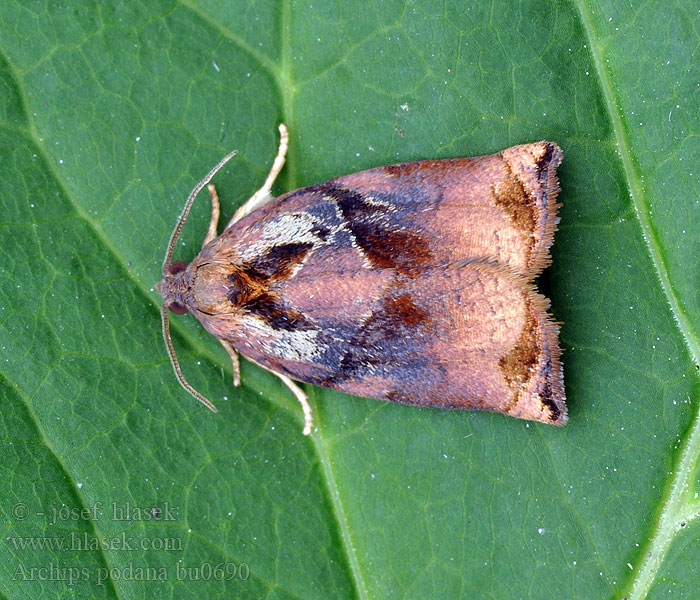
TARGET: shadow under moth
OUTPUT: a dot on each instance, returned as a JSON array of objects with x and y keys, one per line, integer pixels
[{"x": 411, "y": 283}]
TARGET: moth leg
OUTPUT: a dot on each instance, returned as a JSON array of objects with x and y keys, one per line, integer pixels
[
  {"x": 263, "y": 195},
  {"x": 296, "y": 390},
  {"x": 300, "y": 396},
  {"x": 303, "y": 400},
  {"x": 234, "y": 361},
  {"x": 214, "y": 222}
]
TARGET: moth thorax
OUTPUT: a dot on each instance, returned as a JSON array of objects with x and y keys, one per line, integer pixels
[{"x": 210, "y": 288}]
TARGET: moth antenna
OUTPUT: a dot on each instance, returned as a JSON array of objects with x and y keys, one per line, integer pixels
[
  {"x": 173, "y": 357},
  {"x": 168, "y": 257},
  {"x": 178, "y": 229}
]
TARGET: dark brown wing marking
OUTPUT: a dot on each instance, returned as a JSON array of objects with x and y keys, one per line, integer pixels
[{"x": 385, "y": 246}]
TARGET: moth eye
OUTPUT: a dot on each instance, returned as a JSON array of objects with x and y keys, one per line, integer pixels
[
  {"x": 177, "y": 308},
  {"x": 177, "y": 267}
]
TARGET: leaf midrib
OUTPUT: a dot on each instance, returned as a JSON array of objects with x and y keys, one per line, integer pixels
[{"x": 286, "y": 89}]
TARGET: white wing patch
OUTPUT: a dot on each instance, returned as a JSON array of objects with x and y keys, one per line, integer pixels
[{"x": 290, "y": 345}]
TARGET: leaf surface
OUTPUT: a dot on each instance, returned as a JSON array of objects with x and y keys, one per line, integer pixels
[{"x": 111, "y": 113}]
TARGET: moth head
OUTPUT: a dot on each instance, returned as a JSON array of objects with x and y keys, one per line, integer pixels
[
  {"x": 174, "y": 284},
  {"x": 174, "y": 287}
]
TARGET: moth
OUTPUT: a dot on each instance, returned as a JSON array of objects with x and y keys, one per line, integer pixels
[{"x": 411, "y": 283}]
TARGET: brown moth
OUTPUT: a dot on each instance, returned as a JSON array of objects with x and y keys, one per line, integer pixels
[{"x": 411, "y": 283}]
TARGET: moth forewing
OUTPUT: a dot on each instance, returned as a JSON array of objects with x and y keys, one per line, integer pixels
[{"x": 411, "y": 283}]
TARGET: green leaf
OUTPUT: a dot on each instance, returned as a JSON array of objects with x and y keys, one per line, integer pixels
[{"x": 110, "y": 114}]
